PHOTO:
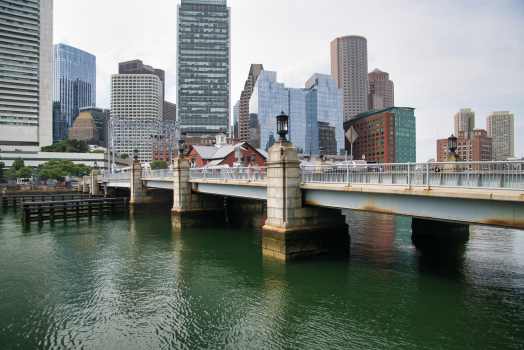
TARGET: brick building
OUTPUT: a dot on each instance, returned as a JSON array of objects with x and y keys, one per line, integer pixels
[
  {"x": 384, "y": 136},
  {"x": 225, "y": 155},
  {"x": 481, "y": 147}
]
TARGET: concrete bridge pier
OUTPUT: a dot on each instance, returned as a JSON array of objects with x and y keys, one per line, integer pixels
[
  {"x": 193, "y": 209},
  {"x": 85, "y": 187},
  {"x": 432, "y": 234},
  {"x": 292, "y": 231},
  {"x": 93, "y": 184}
]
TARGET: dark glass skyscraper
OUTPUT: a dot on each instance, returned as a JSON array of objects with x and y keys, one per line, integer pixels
[
  {"x": 74, "y": 86},
  {"x": 203, "y": 69}
]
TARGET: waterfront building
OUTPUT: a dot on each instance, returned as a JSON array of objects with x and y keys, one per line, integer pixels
[
  {"x": 465, "y": 121},
  {"x": 243, "y": 111},
  {"x": 98, "y": 116},
  {"x": 349, "y": 69},
  {"x": 203, "y": 66},
  {"x": 85, "y": 129},
  {"x": 381, "y": 90},
  {"x": 137, "y": 94},
  {"x": 319, "y": 101},
  {"x": 501, "y": 129},
  {"x": 479, "y": 150},
  {"x": 26, "y": 55},
  {"x": 236, "y": 111},
  {"x": 169, "y": 112},
  {"x": 385, "y": 136},
  {"x": 74, "y": 85}
]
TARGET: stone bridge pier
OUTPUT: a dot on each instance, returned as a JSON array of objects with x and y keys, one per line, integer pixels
[
  {"x": 293, "y": 231},
  {"x": 193, "y": 209}
]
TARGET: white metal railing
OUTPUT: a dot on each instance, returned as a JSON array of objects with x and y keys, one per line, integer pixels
[
  {"x": 492, "y": 175},
  {"x": 257, "y": 173},
  {"x": 118, "y": 176},
  {"x": 157, "y": 174}
]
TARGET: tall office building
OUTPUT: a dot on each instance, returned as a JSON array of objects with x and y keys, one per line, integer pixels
[
  {"x": 501, "y": 129},
  {"x": 137, "y": 93},
  {"x": 74, "y": 86},
  {"x": 317, "y": 106},
  {"x": 98, "y": 116},
  {"x": 26, "y": 54},
  {"x": 169, "y": 112},
  {"x": 236, "y": 112},
  {"x": 381, "y": 90},
  {"x": 349, "y": 69},
  {"x": 465, "y": 121},
  {"x": 245, "y": 96},
  {"x": 203, "y": 67}
]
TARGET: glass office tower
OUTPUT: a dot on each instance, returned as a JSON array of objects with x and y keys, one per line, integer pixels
[
  {"x": 26, "y": 43},
  {"x": 74, "y": 86},
  {"x": 203, "y": 69}
]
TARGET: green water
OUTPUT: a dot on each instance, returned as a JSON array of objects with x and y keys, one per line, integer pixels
[{"x": 122, "y": 283}]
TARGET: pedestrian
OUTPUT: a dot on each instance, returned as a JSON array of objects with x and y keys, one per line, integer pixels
[
  {"x": 193, "y": 163},
  {"x": 437, "y": 169}
]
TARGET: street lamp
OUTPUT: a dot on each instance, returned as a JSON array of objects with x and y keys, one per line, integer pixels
[
  {"x": 452, "y": 145},
  {"x": 282, "y": 126},
  {"x": 135, "y": 154},
  {"x": 96, "y": 165},
  {"x": 181, "y": 146}
]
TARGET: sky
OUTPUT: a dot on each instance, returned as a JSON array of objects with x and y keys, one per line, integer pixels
[{"x": 441, "y": 55}]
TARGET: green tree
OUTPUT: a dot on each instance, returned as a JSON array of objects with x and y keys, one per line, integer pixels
[
  {"x": 59, "y": 169},
  {"x": 68, "y": 146},
  {"x": 98, "y": 151},
  {"x": 2, "y": 166},
  {"x": 18, "y": 163},
  {"x": 159, "y": 164},
  {"x": 24, "y": 173},
  {"x": 124, "y": 156}
]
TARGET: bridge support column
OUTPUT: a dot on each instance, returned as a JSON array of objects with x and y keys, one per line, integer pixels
[
  {"x": 291, "y": 231},
  {"x": 428, "y": 234},
  {"x": 139, "y": 202},
  {"x": 93, "y": 184},
  {"x": 85, "y": 187},
  {"x": 193, "y": 209}
]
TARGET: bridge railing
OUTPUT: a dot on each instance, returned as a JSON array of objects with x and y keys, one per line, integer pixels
[
  {"x": 256, "y": 173},
  {"x": 489, "y": 175},
  {"x": 157, "y": 174},
  {"x": 118, "y": 176}
]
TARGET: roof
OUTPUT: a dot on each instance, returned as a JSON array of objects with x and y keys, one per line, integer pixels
[
  {"x": 376, "y": 70},
  {"x": 263, "y": 152},
  {"x": 374, "y": 112},
  {"x": 205, "y": 152},
  {"x": 84, "y": 115}
]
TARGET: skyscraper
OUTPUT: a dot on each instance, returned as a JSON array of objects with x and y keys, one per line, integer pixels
[
  {"x": 169, "y": 112},
  {"x": 74, "y": 86},
  {"x": 349, "y": 69},
  {"x": 501, "y": 129},
  {"x": 319, "y": 104},
  {"x": 98, "y": 116},
  {"x": 203, "y": 67},
  {"x": 245, "y": 96},
  {"x": 26, "y": 117},
  {"x": 381, "y": 90},
  {"x": 137, "y": 93},
  {"x": 236, "y": 112},
  {"x": 464, "y": 121}
]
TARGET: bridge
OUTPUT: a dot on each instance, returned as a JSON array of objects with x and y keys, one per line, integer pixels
[{"x": 443, "y": 198}]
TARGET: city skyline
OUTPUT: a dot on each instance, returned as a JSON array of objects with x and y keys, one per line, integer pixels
[{"x": 441, "y": 67}]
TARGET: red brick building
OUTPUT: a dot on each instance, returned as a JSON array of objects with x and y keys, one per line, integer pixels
[
  {"x": 225, "y": 155},
  {"x": 481, "y": 147}
]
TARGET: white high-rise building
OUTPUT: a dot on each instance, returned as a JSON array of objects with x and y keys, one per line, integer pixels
[
  {"x": 26, "y": 54},
  {"x": 465, "y": 121},
  {"x": 137, "y": 95},
  {"x": 500, "y": 127},
  {"x": 349, "y": 69}
]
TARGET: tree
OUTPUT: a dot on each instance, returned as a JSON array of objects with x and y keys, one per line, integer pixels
[
  {"x": 158, "y": 164},
  {"x": 58, "y": 170},
  {"x": 2, "y": 166},
  {"x": 124, "y": 156},
  {"x": 68, "y": 146},
  {"x": 18, "y": 163},
  {"x": 98, "y": 151},
  {"x": 24, "y": 173}
]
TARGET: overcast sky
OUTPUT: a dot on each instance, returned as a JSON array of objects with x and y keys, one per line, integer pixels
[{"x": 441, "y": 55}]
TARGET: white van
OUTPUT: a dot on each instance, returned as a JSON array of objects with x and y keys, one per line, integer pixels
[{"x": 21, "y": 181}]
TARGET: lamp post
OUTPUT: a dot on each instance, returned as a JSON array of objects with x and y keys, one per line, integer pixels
[
  {"x": 135, "y": 154},
  {"x": 96, "y": 165},
  {"x": 452, "y": 145},
  {"x": 282, "y": 126},
  {"x": 181, "y": 147}
]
